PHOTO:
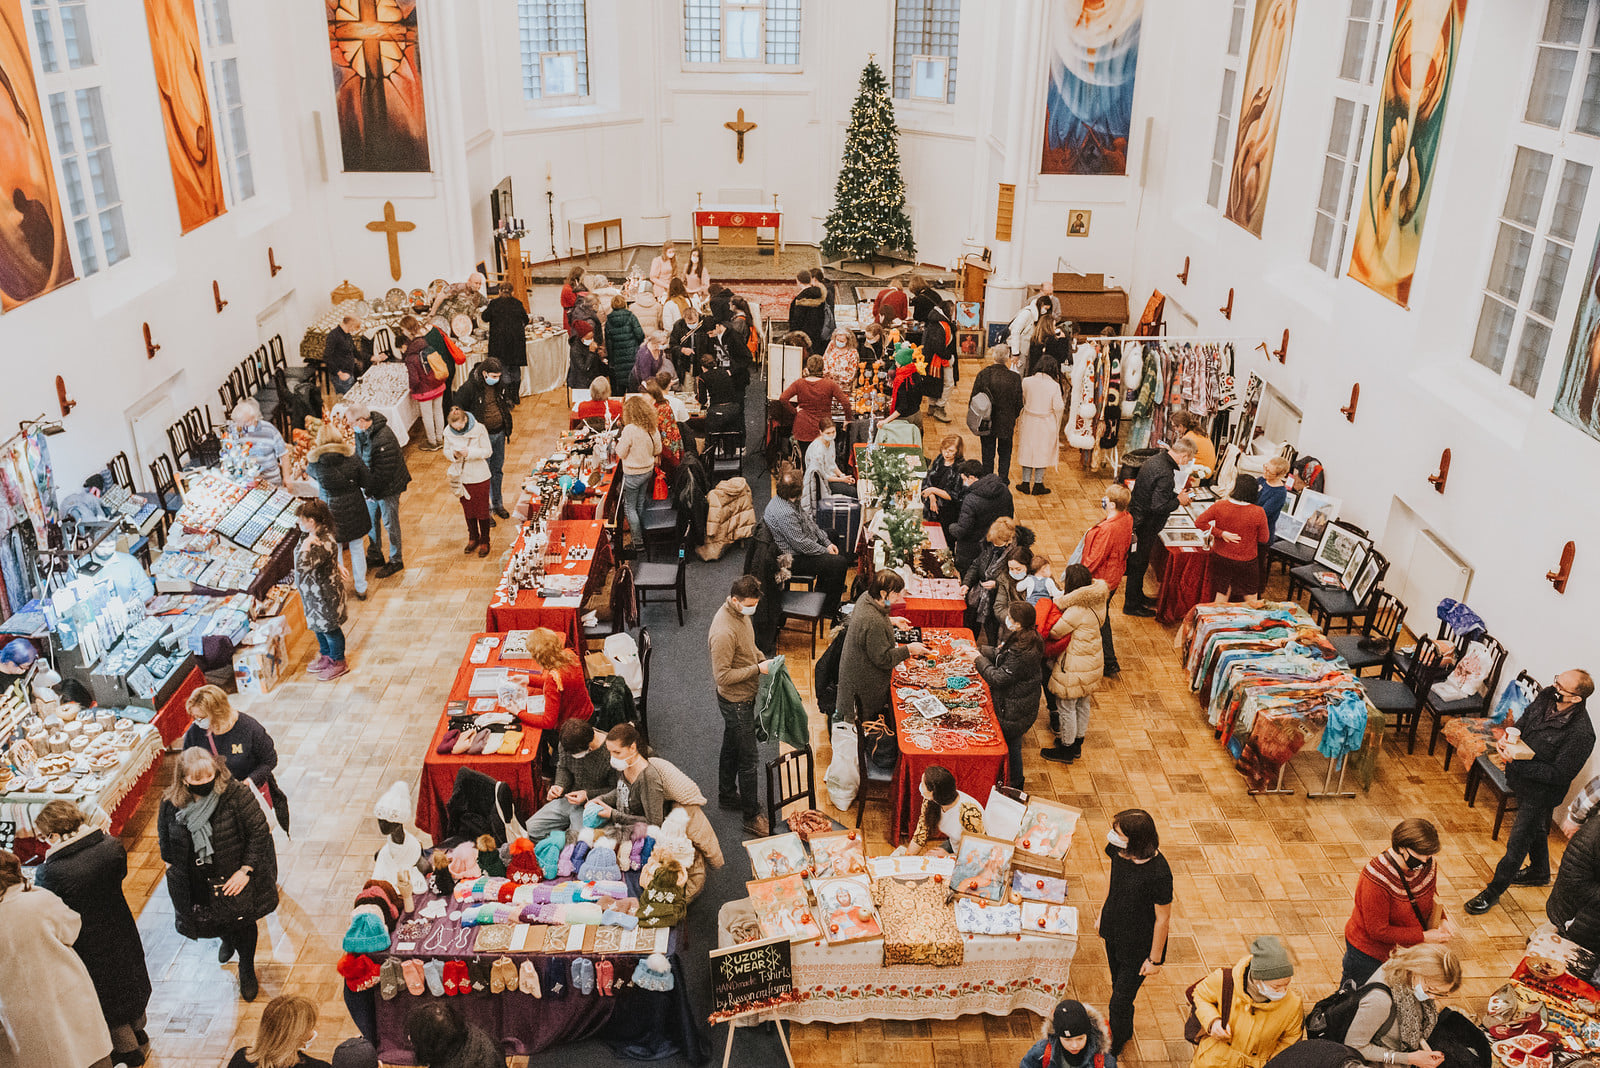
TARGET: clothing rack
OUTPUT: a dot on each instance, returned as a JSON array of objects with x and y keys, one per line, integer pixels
[{"x": 1173, "y": 337}]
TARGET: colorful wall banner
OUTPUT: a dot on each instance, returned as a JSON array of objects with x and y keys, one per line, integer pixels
[
  {"x": 34, "y": 255},
  {"x": 1578, "y": 401},
  {"x": 1094, "y": 54},
  {"x": 1405, "y": 144},
  {"x": 185, "y": 111},
  {"x": 1265, "y": 73},
  {"x": 377, "y": 84}
]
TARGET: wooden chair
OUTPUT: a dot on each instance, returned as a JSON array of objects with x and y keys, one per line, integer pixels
[
  {"x": 805, "y": 604},
  {"x": 179, "y": 447},
  {"x": 1373, "y": 644},
  {"x": 651, "y": 577},
  {"x": 791, "y": 777},
  {"x": 1400, "y": 663},
  {"x": 122, "y": 472},
  {"x": 250, "y": 374},
  {"x": 727, "y": 451},
  {"x": 662, "y": 526},
  {"x": 1522, "y": 679},
  {"x": 1401, "y": 699},
  {"x": 1332, "y": 604},
  {"x": 275, "y": 356},
  {"x": 1440, "y": 709},
  {"x": 1487, "y": 771},
  {"x": 871, "y": 775},
  {"x": 228, "y": 392}
]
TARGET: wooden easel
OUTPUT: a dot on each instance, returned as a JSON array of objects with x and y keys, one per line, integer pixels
[{"x": 733, "y": 1026}]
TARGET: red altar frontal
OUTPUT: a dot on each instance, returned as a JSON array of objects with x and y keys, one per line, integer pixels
[{"x": 739, "y": 224}]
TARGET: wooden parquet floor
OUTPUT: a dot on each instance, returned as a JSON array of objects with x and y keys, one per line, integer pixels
[{"x": 1244, "y": 866}]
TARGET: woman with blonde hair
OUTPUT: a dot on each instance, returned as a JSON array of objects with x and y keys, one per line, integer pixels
[
  {"x": 840, "y": 359},
  {"x": 566, "y": 694},
  {"x": 638, "y": 447},
  {"x": 980, "y": 584},
  {"x": 222, "y": 865},
  {"x": 1399, "y": 1009},
  {"x": 667, "y": 423},
  {"x": 239, "y": 741},
  {"x": 288, "y": 1025}
]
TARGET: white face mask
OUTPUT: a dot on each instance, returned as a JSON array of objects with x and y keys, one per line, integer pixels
[
  {"x": 1012, "y": 624},
  {"x": 202, "y": 723},
  {"x": 1018, "y": 574},
  {"x": 1273, "y": 995},
  {"x": 748, "y": 609},
  {"x": 1118, "y": 840},
  {"x": 620, "y": 764},
  {"x": 1422, "y": 993}
]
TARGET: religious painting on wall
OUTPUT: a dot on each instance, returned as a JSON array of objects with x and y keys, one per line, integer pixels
[
  {"x": 377, "y": 84},
  {"x": 1578, "y": 401},
  {"x": 34, "y": 256},
  {"x": 1265, "y": 73},
  {"x": 1094, "y": 54},
  {"x": 185, "y": 111},
  {"x": 1405, "y": 144}
]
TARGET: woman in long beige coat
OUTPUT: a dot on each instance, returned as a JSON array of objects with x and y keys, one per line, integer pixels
[
  {"x": 1039, "y": 429},
  {"x": 1078, "y": 670}
]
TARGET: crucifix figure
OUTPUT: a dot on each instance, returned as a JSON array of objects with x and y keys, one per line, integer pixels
[
  {"x": 740, "y": 127},
  {"x": 392, "y": 228}
]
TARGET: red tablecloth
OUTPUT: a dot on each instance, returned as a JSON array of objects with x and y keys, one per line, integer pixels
[
  {"x": 1185, "y": 578},
  {"x": 173, "y": 719},
  {"x": 519, "y": 770},
  {"x": 975, "y": 768},
  {"x": 529, "y": 610}
]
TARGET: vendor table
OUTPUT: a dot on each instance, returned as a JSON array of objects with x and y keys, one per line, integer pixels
[
  {"x": 518, "y": 770},
  {"x": 547, "y": 364},
  {"x": 530, "y": 610},
  {"x": 172, "y": 719},
  {"x": 933, "y": 611},
  {"x": 643, "y": 1023},
  {"x": 274, "y": 570},
  {"x": 1185, "y": 576},
  {"x": 976, "y": 767},
  {"x": 402, "y": 413}
]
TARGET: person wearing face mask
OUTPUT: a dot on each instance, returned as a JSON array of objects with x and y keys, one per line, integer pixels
[
  {"x": 1014, "y": 671},
  {"x": 508, "y": 337},
  {"x": 222, "y": 865},
  {"x": 1075, "y": 652},
  {"x": 1136, "y": 915},
  {"x": 268, "y": 451},
  {"x": 288, "y": 1026},
  {"x": 1105, "y": 554},
  {"x": 736, "y": 668},
  {"x": 945, "y": 810},
  {"x": 1394, "y": 902},
  {"x": 321, "y": 587},
  {"x": 663, "y": 269},
  {"x": 487, "y": 397},
  {"x": 583, "y": 770},
  {"x": 85, "y": 868},
  {"x": 985, "y": 583},
  {"x": 1075, "y": 1036},
  {"x": 641, "y": 793},
  {"x": 239, "y": 741},
  {"x": 1398, "y": 1008},
  {"x": 1262, "y": 1019},
  {"x": 870, "y": 652},
  {"x": 823, "y": 477},
  {"x": 388, "y": 476}
]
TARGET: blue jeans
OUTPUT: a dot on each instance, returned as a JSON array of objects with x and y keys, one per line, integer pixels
[
  {"x": 557, "y": 815},
  {"x": 330, "y": 643},
  {"x": 736, "y": 765},
  {"x": 385, "y": 513},
  {"x": 497, "y": 463},
  {"x": 1358, "y": 967},
  {"x": 635, "y": 491},
  {"x": 358, "y": 564}
]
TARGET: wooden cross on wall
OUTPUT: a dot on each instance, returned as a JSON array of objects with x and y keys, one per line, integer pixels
[
  {"x": 392, "y": 228},
  {"x": 740, "y": 127}
]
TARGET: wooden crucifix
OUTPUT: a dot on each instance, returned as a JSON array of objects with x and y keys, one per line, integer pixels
[
  {"x": 392, "y": 228},
  {"x": 740, "y": 127}
]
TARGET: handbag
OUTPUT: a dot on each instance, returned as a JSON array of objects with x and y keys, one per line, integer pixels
[{"x": 1192, "y": 1031}]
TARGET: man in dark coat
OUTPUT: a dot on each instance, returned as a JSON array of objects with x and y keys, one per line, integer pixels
[
  {"x": 1574, "y": 904},
  {"x": 341, "y": 356},
  {"x": 85, "y": 868},
  {"x": 387, "y": 478},
  {"x": 985, "y": 499},
  {"x": 1003, "y": 387},
  {"x": 487, "y": 396},
  {"x": 341, "y": 480},
  {"x": 508, "y": 337},
  {"x": 807, "y": 314},
  {"x": 1155, "y": 498},
  {"x": 1557, "y": 728}
]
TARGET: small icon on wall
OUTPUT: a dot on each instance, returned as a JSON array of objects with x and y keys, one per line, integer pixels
[{"x": 1078, "y": 222}]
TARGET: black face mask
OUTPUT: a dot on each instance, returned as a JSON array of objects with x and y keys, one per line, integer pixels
[
  {"x": 1413, "y": 863},
  {"x": 202, "y": 789}
]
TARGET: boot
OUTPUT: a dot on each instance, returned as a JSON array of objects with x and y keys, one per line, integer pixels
[
  {"x": 334, "y": 670},
  {"x": 225, "y": 952},
  {"x": 1075, "y": 750},
  {"x": 315, "y": 666},
  {"x": 248, "y": 987},
  {"x": 471, "y": 545},
  {"x": 1055, "y": 722},
  {"x": 1060, "y": 754},
  {"x": 483, "y": 548}
]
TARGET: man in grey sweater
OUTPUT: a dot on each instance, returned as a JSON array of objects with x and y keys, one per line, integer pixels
[
  {"x": 736, "y": 667},
  {"x": 796, "y": 533},
  {"x": 583, "y": 771}
]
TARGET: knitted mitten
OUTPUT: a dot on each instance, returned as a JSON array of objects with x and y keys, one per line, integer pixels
[
  {"x": 603, "y": 976},
  {"x": 415, "y": 982},
  {"x": 528, "y": 977},
  {"x": 390, "y": 979}
]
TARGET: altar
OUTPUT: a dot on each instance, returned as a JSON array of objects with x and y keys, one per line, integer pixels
[{"x": 738, "y": 225}]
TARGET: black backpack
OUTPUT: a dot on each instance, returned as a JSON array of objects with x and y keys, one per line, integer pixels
[{"x": 1330, "y": 1018}]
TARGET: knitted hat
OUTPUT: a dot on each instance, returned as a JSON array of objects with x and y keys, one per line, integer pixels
[
  {"x": 523, "y": 867},
  {"x": 464, "y": 861},
  {"x": 382, "y": 896},
  {"x": 367, "y": 934},
  {"x": 359, "y": 970},
  {"x": 582, "y": 328},
  {"x": 394, "y": 805},
  {"x": 903, "y": 355},
  {"x": 1071, "y": 1020},
  {"x": 1269, "y": 960},
  {"x": 654, "y": 973},
  {"x": 600, "y": 865}
]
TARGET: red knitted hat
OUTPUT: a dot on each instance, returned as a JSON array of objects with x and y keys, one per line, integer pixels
[
  {"x": 582, "y": 327},
  {"x": 359, "y": 970},
  {"x": 388, "y": 888},
  {"x": 523, "y": 867},
  {"x": 375, "y": 895}
]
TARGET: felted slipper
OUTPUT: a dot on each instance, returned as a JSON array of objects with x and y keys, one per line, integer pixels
[
  {"x": 603, "y": 976},
  {"x": 582, "y": 975},
  {"x": 480, "y": 739},
  {"x": 463, "y": 977},
  {"x": 463, "y": 741},
  {"x": 433, "y": 972},
  {"x": 447, "y": 744},
  {"x": 412, "y": 970},
  {"x": 449, "y": 977},
  {"x": 553, "y": 973},
  {"x": 390, "y": 979},
  {"x": 497, "y": 976},
  {"x": 510, "y": 742},
  {"x": 478, "y": 970},
  {"x": 528, "y": 978}
]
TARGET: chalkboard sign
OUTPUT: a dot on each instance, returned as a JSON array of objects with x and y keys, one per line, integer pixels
[{"x": 751, "y": 977}]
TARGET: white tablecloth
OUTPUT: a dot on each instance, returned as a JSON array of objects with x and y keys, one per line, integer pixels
[
  {"x": 547, "y": 364},
  {"x": 382, "y": 390}
]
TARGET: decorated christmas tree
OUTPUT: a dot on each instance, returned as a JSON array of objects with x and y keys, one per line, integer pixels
[{"x": 869, "y": 211}]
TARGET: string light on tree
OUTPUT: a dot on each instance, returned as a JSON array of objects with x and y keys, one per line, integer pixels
[{"x": 869, "y": 211}]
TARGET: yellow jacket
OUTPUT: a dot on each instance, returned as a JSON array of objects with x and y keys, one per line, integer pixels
[{"x": 1261, "y": 1029}]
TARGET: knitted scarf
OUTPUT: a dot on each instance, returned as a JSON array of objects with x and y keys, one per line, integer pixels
[
  {"x": 901, "y": 375},
  {"x": 196, "y": 816},
  {"x": 1390, "y": 872}
]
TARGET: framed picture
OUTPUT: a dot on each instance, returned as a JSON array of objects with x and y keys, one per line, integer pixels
[
  {"x": 969, "y": 314},
  {"x": 1318, "y": 510},
  {"x": 1290, "y": 499},
  {"x": 1047, "y": 828},
  {"x": 1364, "y": 579},
  {"x": 1339, "y": 547},
  {"x": 1078, "y": 222},
  {"x": 1183, "y": 539},
  {"x": 1289, "y": 526},
  {"x": 1352, "y": 570},
  {"x": 781, "y": 854},
  {"x": 837, "y": 854},
  {"x": 782, "y": 908},
  {"x": 845, "y": 906},
  {"x": 983, "y": 867},
  {"x": 1057, "y": 921}
]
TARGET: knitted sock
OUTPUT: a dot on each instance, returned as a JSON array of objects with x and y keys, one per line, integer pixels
[
  {"x": 463, "y": 977},
  {"x": 529, "y": 978},
  {"x": 412, "y": 970},
  {"x": 433, "y": 972},
  {"x": 478, "y": 970},
  {"x": 448, "y": 977},
  {"x": 603, "y": 976},
  {"x": 553, "y": 973},
  {"x": 390, "y": 979},
  {"x": 497, "y": 975},
  {"x": 582, "y": 975}
]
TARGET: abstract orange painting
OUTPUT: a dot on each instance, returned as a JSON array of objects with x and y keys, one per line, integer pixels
[
  {"x": 34, "y": 257},
  {"x": 1264, "y": 77},
  {"x": 185, "y": 111}
]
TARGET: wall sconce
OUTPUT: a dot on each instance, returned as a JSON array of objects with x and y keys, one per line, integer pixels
[
  {"x": 216, "y": 295},
  {"x": 1438, "y": 480},
  {"x": 1282, "y": 351},
  {"x": 272, "y": 264},
  {"x": 1558, "y": 578},
  {"x": 1183, "y": 275},
  {"x": 1227, "y": 309},
  {"x": 67, "y": 403},
  {"x": 1355, "y": 398},
  {"x": 150, "y": 347}
]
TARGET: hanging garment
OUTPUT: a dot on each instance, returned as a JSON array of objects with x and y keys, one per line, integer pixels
[{"x": 1081, "y": 407}]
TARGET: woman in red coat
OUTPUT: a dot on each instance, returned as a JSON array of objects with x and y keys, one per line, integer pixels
[
  {"x": 1394, "y": 901},
  {"x": 566, "y": 692},
  {"x": 1105, "y": 554}
]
